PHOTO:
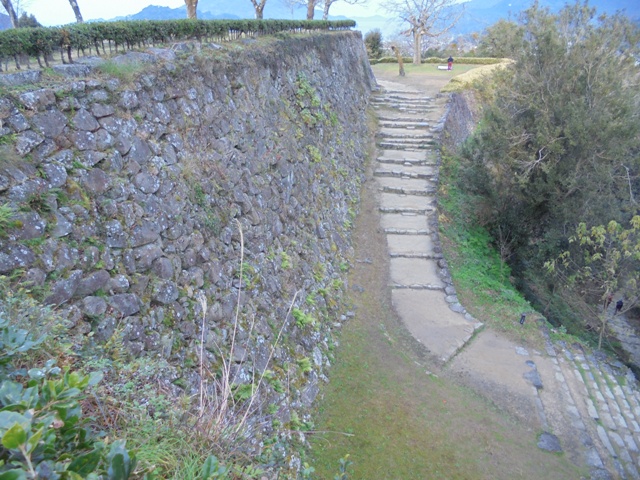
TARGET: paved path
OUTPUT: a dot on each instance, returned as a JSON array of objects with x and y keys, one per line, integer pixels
[{"x": 585, "y": 405}]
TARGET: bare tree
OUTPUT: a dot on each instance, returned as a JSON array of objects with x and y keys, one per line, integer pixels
[
  {"x": 311, "y": 5},
  {"x": 259, "y": 7},
  {"x": 426, "y": 18},
  {"x": 76, "y": 10},
  {"x": 8, "y": 6},
  {"x": 20, "y": 6},
  {"x": 192, "y": 6},
  {"x": 292, "y": 5},
  {"x": 328, "y": 3}
]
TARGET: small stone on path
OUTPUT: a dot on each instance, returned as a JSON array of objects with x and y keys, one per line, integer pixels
[{"x": 549, "y": 443}]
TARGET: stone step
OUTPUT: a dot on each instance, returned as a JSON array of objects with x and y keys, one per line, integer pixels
[
  {"x": 400, "y": 155},
  {"x": 428, "y": 172},
  {"x": 608, "y": 414},
  {"x": 415, "y": 271},
  {"x": 408, "y": 141},
  {"x": 622, "y": 414},
  {"x": 403, "y": 96},
  {"x": 561, "y": 399},
  {"x": 416, "y": 286},
  {"x": 407, "y": 191},
  {"x": 411, "y": 124},
  {"x": 398, "y": 95},
  {"x": 422, "y": 158},
  {"x": 397, "y": 184},
  {"x": 404, "y": 145},
  {"x": 407, "y": 136},
  {"x": 418, "y": 307},
  {"x": 428, "y": 256},
  {"x": 417, "y": 114},
  {"x": 405, "y": 222},
  {"x": 398, "y": 117},
  {"x": 407, "y": 231},
  {"x": 403, "y": 131},
  {"x": 404, "y": 103},
  {"x": 405, "y": 210},
  {"x": 409, "y": 246},
  {"x": 395, "y": 102},
  {"x": 400, "y": 161}
]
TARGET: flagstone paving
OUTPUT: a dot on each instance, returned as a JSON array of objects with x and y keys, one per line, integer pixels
[{"x": 580, "y": 403}]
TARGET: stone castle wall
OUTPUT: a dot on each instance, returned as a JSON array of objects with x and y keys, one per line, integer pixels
[{"x": 130, "y": 194}]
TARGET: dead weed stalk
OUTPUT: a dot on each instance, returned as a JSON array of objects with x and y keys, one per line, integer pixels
[{"x": 224, "y": 419}]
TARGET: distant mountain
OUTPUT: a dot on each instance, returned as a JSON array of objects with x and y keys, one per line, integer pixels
[
  {"x": 217, "y": 9},
  {"x": 244, "y": 9},
  {"x": 482, "y": 13},
  {"x": 153, "y": 12},
  {"x": 5, "y": 21}
]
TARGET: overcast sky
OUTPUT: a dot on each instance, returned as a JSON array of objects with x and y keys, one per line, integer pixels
[{"x": 58, "y": 12}]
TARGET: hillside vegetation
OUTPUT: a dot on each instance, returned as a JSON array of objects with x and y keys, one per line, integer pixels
[{"x": 556, "y": 155}]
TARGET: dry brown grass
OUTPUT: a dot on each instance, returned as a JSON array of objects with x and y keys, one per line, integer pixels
[{"x": 467, "y": 79}]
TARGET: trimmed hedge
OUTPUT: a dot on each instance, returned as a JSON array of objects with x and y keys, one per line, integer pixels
[
  {"x": 42, "y": 42},
  {"x": 465, "y": 60}
]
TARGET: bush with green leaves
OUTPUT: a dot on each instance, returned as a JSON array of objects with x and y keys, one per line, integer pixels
[
  {"x": 558, "y": 141},
  {"x": 42, "y": 428},
  {"x": 373, "y": 42}
]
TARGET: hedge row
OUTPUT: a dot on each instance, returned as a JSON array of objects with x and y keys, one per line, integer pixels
[
  {"x": 42, "y": 42},
  {"x": 465, "y": 60}
]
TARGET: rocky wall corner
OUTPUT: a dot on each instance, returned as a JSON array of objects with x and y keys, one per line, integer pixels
[
  {"x": 463, "y": 114},
  {"x": 129, "y": 197}
]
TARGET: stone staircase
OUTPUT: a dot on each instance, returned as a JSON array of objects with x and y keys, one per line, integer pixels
[
  {"x": 407, "y": 174},
  {"x": 601, "y": 404},
  {"x": 587, "y": 406}
]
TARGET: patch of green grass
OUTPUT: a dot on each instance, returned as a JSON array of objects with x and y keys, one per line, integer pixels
[
  {"x": 124, "y": 72},
  {"x": 424, "y": 69},
  {"x": 481, "y": 278},
  {"x": 305, "y": 365},
  {"x": 7, "y": 220},
  {"x": 302, "y": 319},
  {"x": 285, "y": 261},
  {"x": 409, "y": 424}
]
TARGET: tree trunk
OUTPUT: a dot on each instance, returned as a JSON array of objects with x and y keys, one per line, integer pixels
[
  {"x": 603, "y": 327},
  {"x": 327, "y": 5},
  {"x": 417, "y": 47},
  {"x": 192, "y": 6},
  {"x": 259, "y": 8},
  {"x": 311, "y": 4},
  {"x": 8, "y": 6},
  {"x": 400, "y": 61},
  {"x": 76, "y": 11}
]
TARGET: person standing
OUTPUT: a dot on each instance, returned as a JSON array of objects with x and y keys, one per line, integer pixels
[
  {"x": 450, "y": 63},
  {"x": 619, "y": 305}
]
